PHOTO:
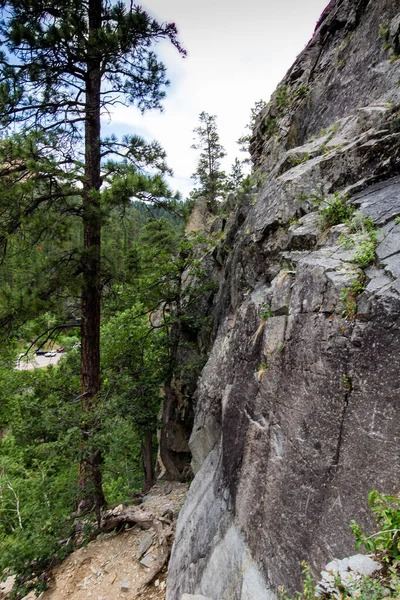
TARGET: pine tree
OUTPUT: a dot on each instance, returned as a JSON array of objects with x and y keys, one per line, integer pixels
[
  {"x": 244, "y": 140},
  {"x": 208, "y": 173},
  {"x": 64, "y": 64},
  {"x": 235, "y": 177}
]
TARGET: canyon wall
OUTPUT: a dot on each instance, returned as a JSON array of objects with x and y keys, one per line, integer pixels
[{"x": 297, "y": 410}]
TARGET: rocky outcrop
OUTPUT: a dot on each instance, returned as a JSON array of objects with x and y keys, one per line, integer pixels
[{"x": 297, "y": 410}]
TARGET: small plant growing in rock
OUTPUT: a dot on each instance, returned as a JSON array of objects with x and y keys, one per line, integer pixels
[
  {"x": 309, "y": 586},
  {"x": 359, "y": 223},
  {"x": 265, "y": 312},
  {"x": 262, "y": 368},
  {"x": 345, "y": 241},
  {"x": 299, "y": 159},
  {"x": 271, "y": 126},
  {"x": 397, "y": 220},
  {"x": 366, "y": 241},
  {"x": 301, "y": 91},
  {"x": 348, "y": 296},
  {"x": 336, "y": 209},
  {"x": 349, "y": 304},
  {"x": 365, "y": 254},
  {"x": 346, "y": 382},
  {"x": 386, "y": 542},
  {"x": 387, "y": 41},
  {"x": 282, "y": 98},
  {"x": 384, "y": 545},
  {"x": 384, "y": 34}
]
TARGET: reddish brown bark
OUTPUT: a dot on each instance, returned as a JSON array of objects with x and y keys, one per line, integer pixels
[
  {"x": 90, "y": 469},
  {"x": 148, "y": 460}
]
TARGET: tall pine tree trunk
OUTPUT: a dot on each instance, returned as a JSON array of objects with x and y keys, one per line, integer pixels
[
  {"x": 148, "y": 460},
  {"x": 90, "y": 468}
]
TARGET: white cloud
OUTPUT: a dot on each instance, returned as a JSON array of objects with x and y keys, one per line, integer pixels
[{"x": 237, "y": 54}]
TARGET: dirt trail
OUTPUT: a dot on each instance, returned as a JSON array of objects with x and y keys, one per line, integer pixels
[{"x": 113, "y": 566}]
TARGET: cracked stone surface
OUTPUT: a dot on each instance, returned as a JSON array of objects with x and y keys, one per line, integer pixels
[{"x": 297, "y": 412}]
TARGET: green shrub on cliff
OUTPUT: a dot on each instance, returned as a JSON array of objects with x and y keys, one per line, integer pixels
[
  {"x": 386, "y": 542},
  {"x": 384, "y": 545},
  {"x": 334, "y": 208}
]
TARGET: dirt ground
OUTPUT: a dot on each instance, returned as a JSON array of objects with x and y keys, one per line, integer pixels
[{"x": 115, "y": 565}]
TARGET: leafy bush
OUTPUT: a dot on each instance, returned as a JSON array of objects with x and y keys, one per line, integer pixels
[
  {"x": 386, "y": 542},
  {"x": 367, "y": 239},
  {"x": 348, "y": 296},
  {"x": 271, "y": 126},
  {"x": 385, "y": 545},
  {"x": 265, "y": 312},
  {"x": 365, "y": 254},
  {"x": 334, "y": 208}
]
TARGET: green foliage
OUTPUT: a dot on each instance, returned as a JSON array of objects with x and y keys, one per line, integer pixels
[
  {"x": 270, "y": 126},
  {"x": 123, "y": 461},
  {"x": 265, "y": 312},
  {"x": 134, "y": 359},
  {"x": 236, "y": 177},
  {"x": 346, "y": 380},
  {"x": 298, "y": 159},
  {"x": 374, "y": 589},
  {"x": 208, "y": 172},
  {"x": 387, "y": 41},
  {"x": 244, "y": 140},
  {"x": 309, "y": 587},
  {"x": 349, "y": 303},
  {"x": 39, "y": 468},
  {"x": 261, "y": 370},
  {"x": 386, "y": 542},
  {"x": 384, "y": 34},
  {"x": 55, "y": 65},
  {"x": 285, "y": 96},
  {"x": 301, "y": 91},
  {"x": 365, "y": 240},
  {"x": 282, "y": 97},
  {"x": 365, "y": 254},
  {"x": 359, "y": 223},
  {"x": 348, "y": 296},
  {"x": 368, "y": 241},
  {"x": 334, "y": 208},
  {"x": 383, "y": 545},
  {"x": 54, "y": 211},
  {"x": 42, "y": 412}
]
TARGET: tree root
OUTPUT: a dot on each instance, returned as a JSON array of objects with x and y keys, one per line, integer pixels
[{"x": 119, "y": 517}]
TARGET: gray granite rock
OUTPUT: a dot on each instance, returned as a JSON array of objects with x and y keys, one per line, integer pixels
[
  {"x": 390, "y": 245},
  {"x": 148, "y": 560},
  {"x": 296, "y": 415},
  {"x": 195, "y": 597},
  {"x": 144, "y": 545},
  {"x": 348, "y": 572},
  {"x": 381, "y": 201}
]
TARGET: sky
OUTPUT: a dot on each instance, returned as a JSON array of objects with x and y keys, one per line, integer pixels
[{"x": 238, "y": 51}]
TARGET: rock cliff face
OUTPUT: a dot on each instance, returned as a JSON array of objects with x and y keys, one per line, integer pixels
[{"x": 297, "y": 410}]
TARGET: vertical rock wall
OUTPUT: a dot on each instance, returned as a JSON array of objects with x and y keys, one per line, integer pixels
[{"x": 297, "y": 410}]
